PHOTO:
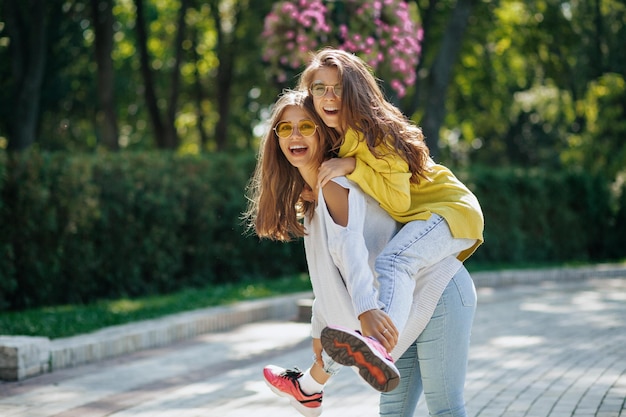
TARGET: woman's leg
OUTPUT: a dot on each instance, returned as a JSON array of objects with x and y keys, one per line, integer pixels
[
  {"x": 436, "y": 363},
  {"x": 443, "y": 348},
  {"x": 402, "y": 401},
  {"x": 417, "y": 245}
]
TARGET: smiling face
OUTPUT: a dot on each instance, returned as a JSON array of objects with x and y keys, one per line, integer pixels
[
  {"x": 328, "y": 106},
  {"x": 301, "y": 151}
]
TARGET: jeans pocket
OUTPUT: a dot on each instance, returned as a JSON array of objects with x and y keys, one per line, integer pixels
[{"x": 465, "y": 286}]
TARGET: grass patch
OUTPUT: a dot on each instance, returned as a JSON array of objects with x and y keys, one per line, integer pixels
[{"x": 69, "y": 320}]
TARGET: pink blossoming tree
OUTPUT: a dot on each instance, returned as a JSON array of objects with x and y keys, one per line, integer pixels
[{"x": 381, "y": 32}]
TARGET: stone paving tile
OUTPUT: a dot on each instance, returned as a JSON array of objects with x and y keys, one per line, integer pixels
[
  {"x": 546, "y": 350},
  {"x": 552, "y": 350}
]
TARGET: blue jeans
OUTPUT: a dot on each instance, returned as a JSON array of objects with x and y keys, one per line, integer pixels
[
  {"x": 417, "y": 245},
  {"x": 436, "y": 363}
]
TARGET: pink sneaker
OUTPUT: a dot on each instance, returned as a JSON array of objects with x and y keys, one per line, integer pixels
[
  {"x": 284, "y": 382},
  {"x": 351, "y": 348}
]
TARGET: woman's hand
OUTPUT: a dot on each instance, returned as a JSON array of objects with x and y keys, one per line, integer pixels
[
  {"x": 377, "y": 324},
  {"x": 335, "y": 167},
  {"x": 308, "y": 194}
]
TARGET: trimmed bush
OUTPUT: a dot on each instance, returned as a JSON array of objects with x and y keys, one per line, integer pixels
[
  {"x": 77, "y": 228},
  {"x": 7, "y": 273},
  {"x": 544, "y": 216}
]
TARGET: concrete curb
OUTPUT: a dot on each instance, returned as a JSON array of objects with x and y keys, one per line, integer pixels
[
  {"x": 535, "y": 276},
  {"x": 22, "y": 356}
]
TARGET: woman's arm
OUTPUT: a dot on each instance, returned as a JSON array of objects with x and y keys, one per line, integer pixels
[
  {"x": 385, "y": 177},
  {"x": 336, "y": 198},
  {"x": 346, "y": 244},
  {"x": 349, "y": 253}
]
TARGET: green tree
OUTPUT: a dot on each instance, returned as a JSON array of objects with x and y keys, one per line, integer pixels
[
  {"x": 26, "y": 25},
  {"x": 444, "y": 30},
  {"x": 600, "y": 148},
  {"x": 508, "y": 82},
  {"x": 163, "y": 125},
  {"x": 520, "y": 88},
  {"x": 235, "y": 28},
  {"x": 106, "y": 117},
  {"x": 56, "y": 114}
]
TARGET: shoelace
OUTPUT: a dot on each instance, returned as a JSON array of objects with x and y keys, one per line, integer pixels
[{"x": 294, "y": 373}]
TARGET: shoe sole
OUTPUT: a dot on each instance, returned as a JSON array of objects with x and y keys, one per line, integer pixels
[
  {"x": 305, "y": 411},
  {"x": 350, "y": 350}
]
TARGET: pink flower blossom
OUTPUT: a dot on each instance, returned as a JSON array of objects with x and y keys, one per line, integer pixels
[
  {"x": 398, "y": 86},
  {"x": 390, "y": 46}
]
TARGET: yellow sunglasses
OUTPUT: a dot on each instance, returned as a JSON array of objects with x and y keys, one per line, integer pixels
[{"x": 284, "y": 129}]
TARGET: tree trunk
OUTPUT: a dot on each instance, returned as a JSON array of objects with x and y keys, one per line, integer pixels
[
  {"x": 427, "y": 16},
  {"x": 106, "y": 117},
  {"x": 146, "y": 72},
  {"x": 170, "y": 120},
  {"x": 224, "y": 87},
  {"x": 26, "y": 25},
  {"x": 440, "y": 73},
  {"x": 165, "y": 132},
  {"x": 226, "y": 45},
  {"x": 199, "y": 94},
  {"x": 598, "y": 61}
]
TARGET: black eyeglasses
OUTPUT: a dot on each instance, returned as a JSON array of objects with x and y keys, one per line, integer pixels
[
  {"x": 306, "y": 128},
  {"x": 318, "y": 89}
]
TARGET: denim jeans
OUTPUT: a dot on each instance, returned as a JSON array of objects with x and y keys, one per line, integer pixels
[
  {"x": 417, "y": 245},
  {"x": 436, "y": 363},
  {"x": 330, "y": 366}
]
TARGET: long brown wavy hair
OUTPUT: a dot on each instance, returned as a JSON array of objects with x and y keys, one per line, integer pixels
[
  {"x": 365, "y": 109},
  {"x": 275, "y": 207}
]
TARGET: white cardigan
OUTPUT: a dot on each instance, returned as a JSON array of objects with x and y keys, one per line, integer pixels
[{"x": 343, "y": 282}]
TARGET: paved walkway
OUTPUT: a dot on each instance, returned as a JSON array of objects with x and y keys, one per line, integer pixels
[{"x": 546, "y": 350}]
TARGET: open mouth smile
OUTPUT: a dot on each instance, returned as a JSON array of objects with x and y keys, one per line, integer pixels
[
  {"x": 298, "y": 149},
  {"x": 330, "y": 110}
]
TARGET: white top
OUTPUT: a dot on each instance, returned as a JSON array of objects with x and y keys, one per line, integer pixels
[{"x": 344, "y": 285}]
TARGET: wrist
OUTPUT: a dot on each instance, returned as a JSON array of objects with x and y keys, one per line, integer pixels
[{"x": 365, "y": 312}]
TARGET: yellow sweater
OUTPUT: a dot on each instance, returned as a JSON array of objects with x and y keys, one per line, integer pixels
[{"x": 387, "y": 180}]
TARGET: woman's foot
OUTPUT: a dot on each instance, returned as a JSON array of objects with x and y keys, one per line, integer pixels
[
  {"x": 284, "y": 382},
  {"x": 351, "y": 348}
]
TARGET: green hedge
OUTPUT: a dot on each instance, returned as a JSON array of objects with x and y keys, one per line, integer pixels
[
  {"x": 75, "y": 228},
  {"x": 535, "y": 216}
]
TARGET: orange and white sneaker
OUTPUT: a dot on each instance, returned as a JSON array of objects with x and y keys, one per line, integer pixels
[
  {"x": 284, "y": 382},
  {"x": 351, "y": 348}
]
